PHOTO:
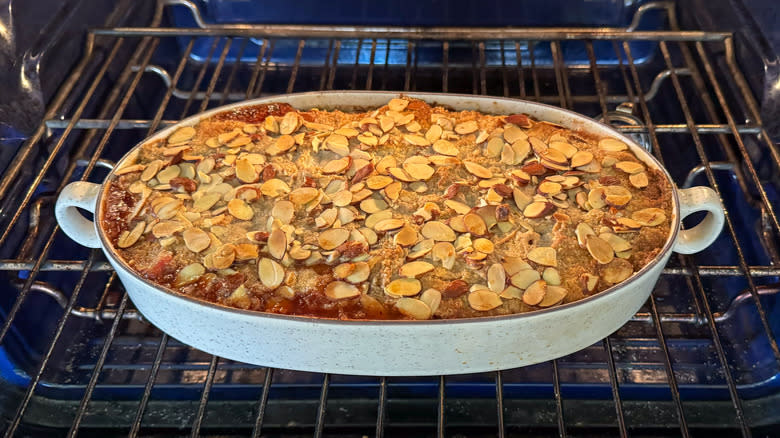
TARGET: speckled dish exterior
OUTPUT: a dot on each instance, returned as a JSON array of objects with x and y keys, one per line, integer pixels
[{"x": 398, "y": 348}]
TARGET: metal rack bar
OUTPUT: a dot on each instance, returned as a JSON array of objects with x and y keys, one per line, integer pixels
[
  {"x": 204, "y": 398},
  {"x": 263, "y": 403},
  {"x": 233, "y": 72},
  {"x": 319, "y": 424},
  {"x": 215, "y": 76},
  {"x": 440, "y": 408},
  {"x": 381, "y": 408}
]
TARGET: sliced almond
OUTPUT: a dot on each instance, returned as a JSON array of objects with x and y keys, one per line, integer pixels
[
  {"x": 523, "y": 279},
  {"x": 437, "y": 231},
  {"x": 432, "y": 298},
  {"x": 513, "y": 265},
  {"x": 337, "y": 166},
  {"x": 341, "y": 198},
  {"x": 630, "y": 167},
  {"x": 551, "y": 276},
  {"x": 299, "y": 253},
  {"x": 271, "y": 273},
  {"x": 128, "y": 238},
  {"x": 151, "y": 170},
  {"x": 223, "y": 257},
  {"x": 612, "y": 145},
  {"x": 375, "y": 218},
  {"x": 549, "y": 188},
  {"x": 378, "y": 182},
  {"x": 401, "y": 174},
  {"x": 581, "y": 158},
  {"x": 189, "y": 274},
  {"x": 303, "y": 195},
  {"x": 413, "y": 308},
  {"x": 583, "y": 231},
  {"x": 563, "y": 147},
  {"x": 521, "y": 199},
  {"x": 284, "y": 211},
  {"x": 589, "y": 282},
  {"x": 166, "y": 175},
  {"x": 239, "y": 209},
  {"x": 181, "y": 135},
  {"x": 420, "y": 172},
  {"x": 521, "y": 148},
  {"x": 459, "y": 207},
  {"x": 416, "y": 140},
  {"x": 393, "y": 191},
  {"x": 433, "y": 134},
  {"x": 535, "y": 293},
  {"x": 545, "y": 256},
  {"x": 277, "y": 244},
  {"x": 600, "y": 250},
  {"x": 389, "y": 224},
  {"x": 332, "y": 238},
  {"x": 415, "y": 269},
  {"x": 554, "y": 295},
  {"x": 421, "y": 249},
  {"x": 444, "y": 147},
  {"x": 511, "y": 293},
  {"x": 195, "y": 239},
  {"x": 466, "y": 127},
  {"x": 513, "y": 133},
  {"x": 616, "y": 271},
  {"x": 538, "y": 209},
  {"x": 403, "y": 287},
  {"x": 226, "y": 137},
  {"x": 496, "y": 278},
  {"x": 484, "y": 246},
  {"x": 494, "y": 147},
  {"x": 373, "y": 205},
  {"x": 166, "y": 228},
  {"x": 508, "y": 155},
  {"x": 274, "y": 188},
  {"x": 477, "y": 169},
  {"x": 618, "y": 244},
  {"x": 639, "y": 180},
  {"x": 475, "y": 224},
  {"x": 596, "y": 197},
  {"x": 649, "y": 217},
  {"x": 616, "y": 196},
  {"x": 337, "y": 143},
  {"x": 407, "y": 236},
  {"x": 339, "y": 290},
  {"x": 445, "y": 253},
  {"x": 483, "y": 300},
  {"x": 246, "y": 251},
  {"x": 397, "y": 104}
]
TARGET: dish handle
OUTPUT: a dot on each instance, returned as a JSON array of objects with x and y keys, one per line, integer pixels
[
  {"x": 75, "y": 195},
  {"x": 693, "y": 200}
]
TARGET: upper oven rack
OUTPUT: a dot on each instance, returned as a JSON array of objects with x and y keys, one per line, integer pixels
[{"x": 691, "y": 72}]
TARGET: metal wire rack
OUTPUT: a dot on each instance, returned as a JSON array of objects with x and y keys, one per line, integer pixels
[{"x": 688, "y": 91}]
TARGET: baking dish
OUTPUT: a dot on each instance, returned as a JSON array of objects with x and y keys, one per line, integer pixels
[{"x": 398, "y": 347}]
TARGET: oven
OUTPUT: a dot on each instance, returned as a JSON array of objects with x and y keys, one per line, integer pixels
[{"x": 694, "y": 82}]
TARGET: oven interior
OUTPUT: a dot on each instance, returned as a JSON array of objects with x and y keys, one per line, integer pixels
[{"x": 701, "y": 357}]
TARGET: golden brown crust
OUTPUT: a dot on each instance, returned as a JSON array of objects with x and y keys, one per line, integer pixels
[{"x": 408, "y": 211}]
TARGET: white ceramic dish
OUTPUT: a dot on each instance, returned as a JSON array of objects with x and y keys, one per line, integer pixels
[{"x": 398, "y": 348}]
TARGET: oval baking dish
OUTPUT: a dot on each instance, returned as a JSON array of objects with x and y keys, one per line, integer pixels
[{"x": 398, "y": 347}]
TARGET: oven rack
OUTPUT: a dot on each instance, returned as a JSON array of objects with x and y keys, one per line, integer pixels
[{"x": 698, "y": 69}]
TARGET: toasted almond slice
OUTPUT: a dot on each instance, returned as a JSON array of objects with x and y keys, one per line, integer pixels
[
  {"x": 630, "y": 167},
  {"x": 397, "y": 104},
  {"x": 408, "y": 236},
  {"x": 444, "y": 147},
  {"x": 609, "y": 161},
  {"x": 128, "y": 238},
  {"x": 414, "y": 308},
  {"x": 226, "y": 137},
  {"x": 522, "y": 148},
  {"x": 583, "y": 231},
  {"x": 496, "y": 278},
  {"x": 393, "y": 191},
  {"x": 551, "y": 276},
  {"x": 459, "y": 207},
  {"x": 421, "y": 172},
  {"x": 389, "y": 225},
  {"x": 444, "y": 160},
  {"x": 433, "y": 134},
  {"x": 625, "y": 224},
  {"x": 513, "y": 265},
  {"x": 373, "y": 205},
  {"x": 524, "y": 278},
  {"x": 513, "y": 133},
  {"x": 369, "y": 234},
  {"x": 339, "y": 290},
  {"x": 239, "y": 209},
  {"x": 554, "y": 295},
  {"x": 549, "y": 188},
  {"x": 600, "y": 250},
  {"x": 617, "y": 243},
  {"x": 378, "y": 182},
  {"x": 271, "y": 273},
  {"x": 616, "y": 271},
  {"x": 445, "y": 253},
  {"x": 612, "y": 145},
  {"x": 224, "y": 256},
  {"x": 346, "y": 216},
  {"x": 466, "y": 127},
  {"x": 401, "y": 174},
  {"x": 508, "y": 154},
  {"x": 649, "y": 217},
  {"x": 332, "y": 238},
  {"x": 475, "y": 224},
  {"x": 511, "y": 293},
  {"x": 195, "y": 239},
  {"x": 538, "y": 209},
  {"x": 581, "y": 158},
  {"x": 535, "y": 293},
  {"x": 639, "y": 180},
  {"x": 563, "y": 147},
  {"x": 189, "y": 274},
  {"x": 545, "y": 256},
  {"x": 343, "y": 270},
  {"x": 277, "y": 244},
  {"x": 457, "y": 224},
  {"x": 375, "y": 218},
  {"x": 416, "y": 140},
  {"x": 421, "y": 249},
  {"x": 166, "y": 228},
  {"x": 360, "y": 273},
  {"x": 403, "y": 287},
  {"x": 274, "y": 188},
  {"x": 338, "y": 144},
  {"x": 206, "y": 201},
  {"x": 521, "y": 199},
  {"x": 484, "y": 246},
  {"x": 494, "y": 147},
  {"x": 589, "y": 283},
  {"x": 477, "y": 169},
  {"x": 246, "y": 251},
  {"x": 483, "y": 300},
  {"x": 592, "y": 167},
  {"x": 289, "y": 123},
  {"x": 438, "y": 231},
  {"x": 303, "y": 195},
  {"x": 617, "y": 196},
  {"x": 284, "y": 211},
  {"x": 342, "y": 198},
  {"x": 432, "y": 298},
  {"x": 181, "y": 135},
  {"x": 415, "y": 269},
  {"x": 166, "y": 175},
  {"x": 151, "y": 170},
  {"x": 596, "y": 197},
  {"x": 337, "y": 166},
  {"x": 299, "y": 253}
]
